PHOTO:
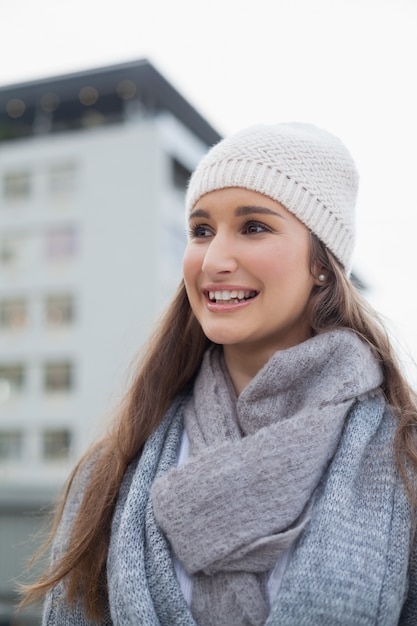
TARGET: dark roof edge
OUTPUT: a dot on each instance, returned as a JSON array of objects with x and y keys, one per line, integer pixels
[
  {"x": 55, "y": 78},
  {"x": 181, "y": 107},
  {"x": 160, "y": 88}
]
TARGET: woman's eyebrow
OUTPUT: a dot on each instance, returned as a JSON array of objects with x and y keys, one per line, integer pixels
[
  {"x": 200, "y": 213},
  {"x": 250, "y": 209},
  {"x": 239, "y": 211}
]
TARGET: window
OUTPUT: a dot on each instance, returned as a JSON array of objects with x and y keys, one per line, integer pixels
[
  {"x": 62, "y": 179},
  {"x": 10, "y": 444},
  {"x": 61, "y": 243},
  {"x": 58, "y": 376},
  {"x": 10, "y": 249},
  {"x": 13, "y": 313},
  {"x": 56, "y": 444},
  {"x": 12, "y": 380},
  {"x": 180, "y": 175},
  {"x": 59, "y": 310},
  {"x": 18, "y": 249},
  {"x": 17, "y": 186}
]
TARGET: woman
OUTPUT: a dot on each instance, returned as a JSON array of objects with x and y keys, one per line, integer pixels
[{"x": 261, "y": 469}]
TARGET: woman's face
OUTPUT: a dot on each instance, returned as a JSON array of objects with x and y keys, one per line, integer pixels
[{"x": 246, "y": 271}]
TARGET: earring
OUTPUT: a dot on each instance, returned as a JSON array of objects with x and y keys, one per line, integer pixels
[{"x": 322, "y": 278}]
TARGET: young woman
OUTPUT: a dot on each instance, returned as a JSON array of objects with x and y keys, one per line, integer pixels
[{"x": 262, "y": 467}]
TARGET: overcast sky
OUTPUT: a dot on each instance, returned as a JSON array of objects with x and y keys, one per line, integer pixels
[{"x": 346, "y": 65}]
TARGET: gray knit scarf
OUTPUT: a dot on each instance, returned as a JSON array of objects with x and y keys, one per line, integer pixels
[{"x": 245, "y": 493}]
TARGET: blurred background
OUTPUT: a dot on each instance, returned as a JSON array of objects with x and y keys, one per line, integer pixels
[{"x": 104, "y": 112}]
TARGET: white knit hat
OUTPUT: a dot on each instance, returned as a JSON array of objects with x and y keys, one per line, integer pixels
[{"x": 306, "y": 169}]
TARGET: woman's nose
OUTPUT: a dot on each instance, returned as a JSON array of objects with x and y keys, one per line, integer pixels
[{"x": 220, "y": 256}]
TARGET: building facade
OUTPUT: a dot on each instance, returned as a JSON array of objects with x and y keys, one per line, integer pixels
[{"x": 93, "y": 168}]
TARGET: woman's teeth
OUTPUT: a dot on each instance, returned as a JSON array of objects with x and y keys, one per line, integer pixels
[{"x": 231, "y": 295}]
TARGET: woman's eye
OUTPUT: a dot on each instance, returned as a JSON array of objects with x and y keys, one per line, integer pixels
[
  {"x": 253, "y": 228},
  {"x": 199, "y": 230}
]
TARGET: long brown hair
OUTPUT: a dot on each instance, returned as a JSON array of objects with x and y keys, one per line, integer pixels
[
  {"x": 338, "y": 304},
  {"x": 171, "y": 362}
]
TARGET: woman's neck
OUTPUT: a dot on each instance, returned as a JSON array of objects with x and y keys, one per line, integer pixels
[{"x": 243, "y": 364}]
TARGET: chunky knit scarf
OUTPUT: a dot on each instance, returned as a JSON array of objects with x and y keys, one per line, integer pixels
[
  {"x": 350, "y": 565},
  {"x": 245, "y": 494}
]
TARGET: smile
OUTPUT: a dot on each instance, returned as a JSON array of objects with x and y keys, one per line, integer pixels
[{"x": 234, "y": 296}]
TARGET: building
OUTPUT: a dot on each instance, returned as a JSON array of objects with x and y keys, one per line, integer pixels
[{"x": 93, "y": 168}]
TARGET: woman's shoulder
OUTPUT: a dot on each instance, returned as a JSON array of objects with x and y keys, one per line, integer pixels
[
  {"x": 372, "y": 419},
  {"x": 363, "y": 474}
]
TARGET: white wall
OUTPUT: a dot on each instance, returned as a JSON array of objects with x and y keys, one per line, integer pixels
[{"x": 130, "y": 226}]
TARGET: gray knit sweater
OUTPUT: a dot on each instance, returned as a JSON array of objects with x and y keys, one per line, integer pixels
[{"x": 351, "y": 567}]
